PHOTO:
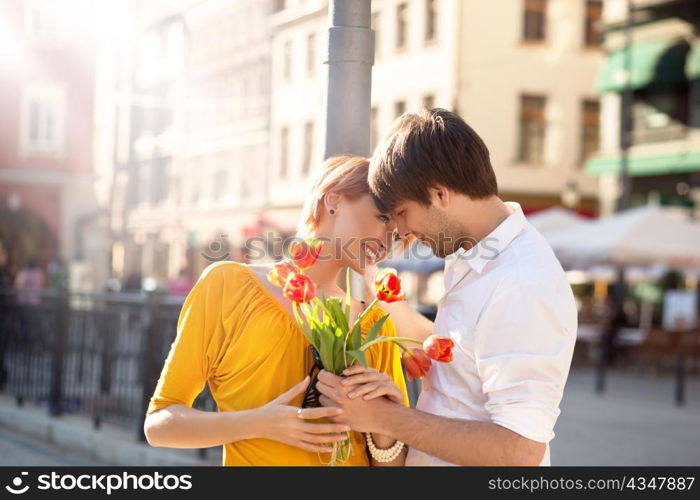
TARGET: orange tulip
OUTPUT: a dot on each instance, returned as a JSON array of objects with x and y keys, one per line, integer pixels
[
  {"x": 416, "y": 363},
  {"x": 299, "y": 288},
  {"x": 439, "y": 348},
  {"x": 305, "y": 253},
  {"x": 387, "y": 286},
  {"x": 278, "y": 274}
]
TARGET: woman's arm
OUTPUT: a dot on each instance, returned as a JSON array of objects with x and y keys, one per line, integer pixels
[
  {"x": 408, "y": 321},
  {"x": 179, "y": 426}
]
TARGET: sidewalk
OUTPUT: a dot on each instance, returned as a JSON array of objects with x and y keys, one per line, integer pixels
[
  {"x": 72, "y": 438},
  {"x": 635, "y": 422}
]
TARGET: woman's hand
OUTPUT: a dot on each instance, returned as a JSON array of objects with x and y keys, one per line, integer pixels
[
  {"x": 279, "y": 421},
  {"x": 369, "y": 383}
]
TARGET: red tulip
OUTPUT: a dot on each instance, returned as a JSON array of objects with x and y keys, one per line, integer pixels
[
  {"x": 299, "y": 288},
  {"x": 305, "y": 253},
  {"x": 387, "y": 286},
  {"x": 278, "y": 274},
  {"x": 439, "y": 348},
  {"x": 416, "y": 363}
]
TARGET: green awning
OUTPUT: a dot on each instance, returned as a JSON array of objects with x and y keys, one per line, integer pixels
[
  {"x": 653, "y": 61},
  {"x": 647, "y": 165},
  {"x": 692, "y": 62}
]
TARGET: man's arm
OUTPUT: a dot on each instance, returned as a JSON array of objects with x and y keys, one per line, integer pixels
[
  {"x": 462, "y": 442},
  {"x": 458, "y": 441}
]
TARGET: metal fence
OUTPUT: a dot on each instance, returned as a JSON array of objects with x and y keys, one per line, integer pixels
[{"x": 98, "y": 355}]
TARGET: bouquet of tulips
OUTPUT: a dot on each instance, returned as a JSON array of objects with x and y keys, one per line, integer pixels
[{"x": 337, "y": 343}]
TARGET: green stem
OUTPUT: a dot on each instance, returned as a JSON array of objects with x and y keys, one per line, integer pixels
[
  {"x": 323, "y": 306},
  {"x": 300, "y": 322},
  {"x": 389, "y": 339},
  {"x": 364, "y": 313}
]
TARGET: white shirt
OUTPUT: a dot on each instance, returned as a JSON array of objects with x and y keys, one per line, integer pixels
[{"x": 511, "y": 314}]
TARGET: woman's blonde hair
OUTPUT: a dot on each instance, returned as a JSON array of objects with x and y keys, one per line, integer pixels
[{"x": 345, "y": 175}]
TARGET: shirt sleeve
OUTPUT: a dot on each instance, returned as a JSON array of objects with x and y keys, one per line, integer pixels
[
  {"x": 386, "y": 358},
  {"x": 186, "y": 367},
  {"x": 523, "y": 347}
]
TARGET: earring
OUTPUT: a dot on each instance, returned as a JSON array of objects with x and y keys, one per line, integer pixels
[{"x": 332, "y": 211}]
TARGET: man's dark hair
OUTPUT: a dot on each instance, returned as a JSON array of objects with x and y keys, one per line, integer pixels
[{"x": 430, "y": 148}]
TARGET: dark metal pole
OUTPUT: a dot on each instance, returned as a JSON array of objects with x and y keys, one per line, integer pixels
[
  {"x": 617, "y": 315},
  {"x": 59, "y": 351},
  {"x": 350, "y": 58},
  {"x": 623, "y": 201},
  {"x": 149, "y": 361}
]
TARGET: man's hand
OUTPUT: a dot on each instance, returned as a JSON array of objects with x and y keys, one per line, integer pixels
[
  {"x": 360, "y": 414},
  {"x": 370, "y": 384}
]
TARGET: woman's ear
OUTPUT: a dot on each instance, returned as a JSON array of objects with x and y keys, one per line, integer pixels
[{"x": 331, "y": 201}]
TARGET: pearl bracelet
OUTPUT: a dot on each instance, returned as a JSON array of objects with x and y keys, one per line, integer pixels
[{"x": 383, "y": 456}]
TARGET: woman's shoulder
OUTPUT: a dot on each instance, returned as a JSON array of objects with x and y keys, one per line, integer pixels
[{"x": 225, "y": 274}]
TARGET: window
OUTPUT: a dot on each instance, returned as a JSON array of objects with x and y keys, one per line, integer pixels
[
  {"x": 373, "y": 130},
  {"x": 287, "y": 61},
  {"x": 284, "y": 153},
  {"x": 592, "y": 32},
  {"x": 430, "y": 20},
  {"x": 535, "y": 20},
  {"x": 159, "y": 180},
  {"x": 660, "y": 114},
  {"x": 43, "y": 119},
  {"x": 532, "y": 129},
  {"x": 220, "y": 181},
  {"x": 429, "y": 101},
  {"x": 376, "y": 19},
  {"x": 308, "y": 148},
  {"x": 43, "y": 21},
  {"x": 278, "y": 5},
  {"x": 311, "y": 54},
  {"x": 401, "y": 25},
  {"x": 399, "y": 108},
  {"x": 590, "y": 127}
]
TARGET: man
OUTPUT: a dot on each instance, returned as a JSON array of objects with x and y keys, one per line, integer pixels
[{"x": 507, "y": 306}]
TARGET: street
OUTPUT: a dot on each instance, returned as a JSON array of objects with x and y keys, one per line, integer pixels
[{"x": 634, "y": 423}]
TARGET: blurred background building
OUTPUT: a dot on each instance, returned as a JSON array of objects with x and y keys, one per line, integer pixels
[
  {"x": 48, "y": 208},
  {"x": 142, "y": 140},
  {"x": 246, "y": 128},
  {"x": 145, "y": 139},
  {"x": 664, "y": 160}
]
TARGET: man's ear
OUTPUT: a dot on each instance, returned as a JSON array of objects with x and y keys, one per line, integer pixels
[{"x": 440, "y": 196}]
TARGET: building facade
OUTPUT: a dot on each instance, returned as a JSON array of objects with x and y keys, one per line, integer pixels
[
  {"x": 664, "y": 80},
  {"x": 49, "y": 210}
]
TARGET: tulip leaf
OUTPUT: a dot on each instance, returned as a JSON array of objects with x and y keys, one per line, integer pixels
[
  {"x": 381, "y": 338},
  {"x": 359, "y": 356},
  {"x": 374, "y": 331},
  {"x": 326, "y": 351},
  {"x": 355, "y": 339}
]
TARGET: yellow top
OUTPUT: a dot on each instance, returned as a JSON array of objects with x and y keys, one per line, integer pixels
[{"x": 234, "y": 334}]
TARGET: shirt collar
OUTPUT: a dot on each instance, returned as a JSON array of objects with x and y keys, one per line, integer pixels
[{"x": 491, "y": 246}]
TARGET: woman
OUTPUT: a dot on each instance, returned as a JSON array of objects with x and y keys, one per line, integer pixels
[{"x": 236, "y": 332}]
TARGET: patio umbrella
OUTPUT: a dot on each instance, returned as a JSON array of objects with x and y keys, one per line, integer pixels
[
  {"x": 642, "y": 236},
  {"x": 555, "y": 219}
]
